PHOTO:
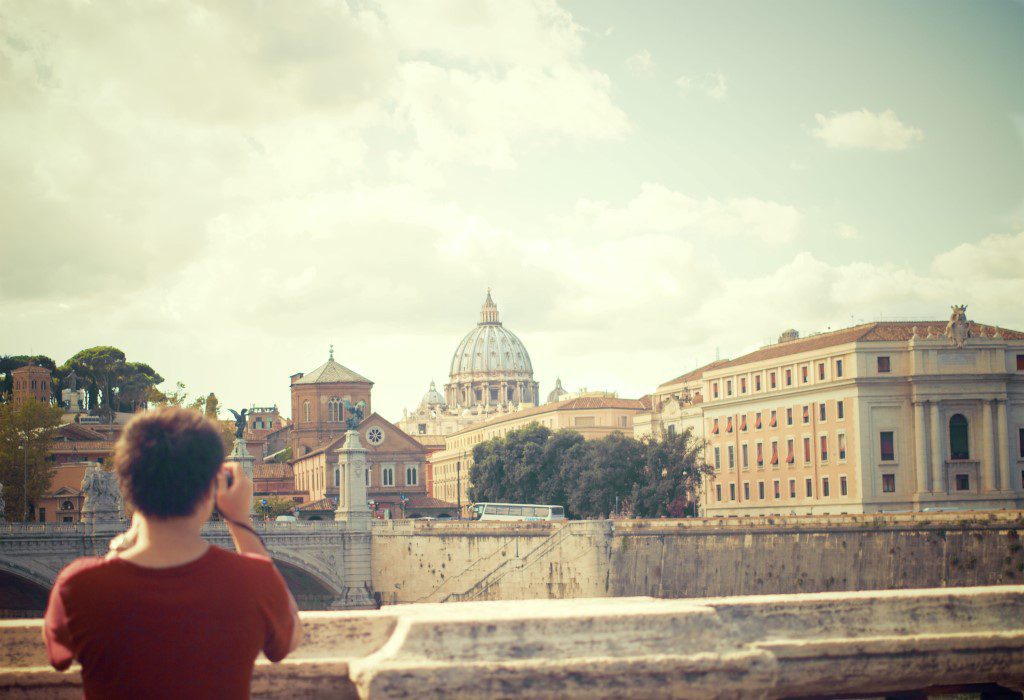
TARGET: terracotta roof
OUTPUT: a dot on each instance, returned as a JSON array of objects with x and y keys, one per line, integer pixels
[
  {"x": 74, "y": 431},
  {"x": 280, "y": 486},
  {"x": 646, "y": 401},
  {"x": 273, "y": 471},
  {"x": 878, "y": 331},
  {"x": 324, "y": 504},
  {"x": 69, "y": 476},
  {"x": 330, "y": 372},
  {"x": 582, "y": 402},
  {"x": 694, "y": 375}
]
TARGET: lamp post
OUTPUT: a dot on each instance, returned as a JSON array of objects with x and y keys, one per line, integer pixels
[{"x": 458, "y": 487}]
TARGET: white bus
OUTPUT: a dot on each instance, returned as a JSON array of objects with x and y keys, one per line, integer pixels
[{"x": 516, "y": 511}]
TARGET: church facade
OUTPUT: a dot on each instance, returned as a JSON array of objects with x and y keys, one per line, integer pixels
[{"x": 490, "y": 373}]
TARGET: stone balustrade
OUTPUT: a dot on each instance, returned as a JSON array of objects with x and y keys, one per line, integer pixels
[{"x": 793, "y": 646}]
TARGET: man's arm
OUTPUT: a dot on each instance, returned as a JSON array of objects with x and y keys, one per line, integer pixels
[{"x": 234, "y": 502}]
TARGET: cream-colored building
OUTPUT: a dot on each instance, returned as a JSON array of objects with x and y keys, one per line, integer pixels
[
  {"x": 490, "y": 374},
  {"x": 887, "y": 416},
  {"x": 594, "y": 416}
]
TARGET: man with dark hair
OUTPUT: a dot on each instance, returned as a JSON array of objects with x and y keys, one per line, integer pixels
[{"x": 166, "y": 614}]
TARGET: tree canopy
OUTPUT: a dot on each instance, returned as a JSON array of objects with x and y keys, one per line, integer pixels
[
  {"x": 26, "y": 432},
  {"x": 590, "y": 478}
]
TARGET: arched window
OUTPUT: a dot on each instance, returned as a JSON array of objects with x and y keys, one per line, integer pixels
[
  {"x": 411, "y": 476},
  {"x": 959, "y": 447},
  {"x": 334, "y": 410},
  {"x": 305, "y": 411}
]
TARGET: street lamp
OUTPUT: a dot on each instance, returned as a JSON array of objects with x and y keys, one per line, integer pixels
[{"x": 458, "y": 484}]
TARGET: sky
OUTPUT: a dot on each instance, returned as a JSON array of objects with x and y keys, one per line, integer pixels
[{"x": 223, "y": 190}]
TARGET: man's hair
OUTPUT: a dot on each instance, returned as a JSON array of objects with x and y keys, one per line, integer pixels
[{"x": 166, "y": 459}]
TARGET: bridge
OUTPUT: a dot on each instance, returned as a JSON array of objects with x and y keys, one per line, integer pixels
[{"x": 325, "y": 564}]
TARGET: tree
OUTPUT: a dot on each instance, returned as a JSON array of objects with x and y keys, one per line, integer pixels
[
  {"x": 674, "y": 468},
  {"x": 134, "y": 384},
  {"x": 509, "y": 468},
  {"x": 26, "y": 432},
  {"x": 100, "y": 368},
  {"x": 598, "y": 472},
  {"x": 275, "y": 506}
]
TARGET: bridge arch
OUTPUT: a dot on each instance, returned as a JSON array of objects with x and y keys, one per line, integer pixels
[
  {"x": 24, "y": 590},
  {"x": 312, "y": 588}
]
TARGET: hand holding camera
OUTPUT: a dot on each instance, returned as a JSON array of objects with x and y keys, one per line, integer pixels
[{"x": 234, "y": 492}]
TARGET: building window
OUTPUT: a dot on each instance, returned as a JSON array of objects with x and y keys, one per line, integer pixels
[
  {"x": 757, "y": 382},
  {"x": 777, "y": 488},
  {"x": 789, "y": 416},
  {"x": 842, "y": 486},
  {"x": 732, "y": 456},
  {"x": 963, "y": 482},
  {"x": 807, "y": 450},
  {"x": 367, "y": 473},
  {"x": 888, "y": 446},
  {"x": 809, "y": 485},
  {"x": 387, "y": 475},
  {"x": 807, "y": 415},
  {"x": 732, "y": 492},
  {"x": 718, "y": 491},
  {"x": 305, "y": 411},
  {"x": 714, "y": 426},
  {"x": 718, "y": 458},
  {"x": 803, "y": 374},
  {"x": 760, "y": 490},
  {"x": 421, "y": 428},
  {"x": 714, "y": 390},
  {"x": 774, "y": 420},
  {"x": 746, "y": 490},
  {"x": 824, "y": 487},
  {"x": 958, "y": 443},
  {"x": 840, "y": 410},
  {"x": 760, "y": 454},
  {"x": 743, "y": 423},
  {"x": 775, "y": 452},
  {"x": 771, "y": 380},
  {"x": 822, "y": 413},
  {"x": 337, "y": 477},
  {"x": 42, "y": 511},
  {"x": 728, "y": 387},
  {"x": 411, "y": 475},
  {"x": 888, "y": 483},
  {"x": 624, "y": 422},
  {"x": 839, "y": 368},
  {"x": 821, "y": 370},
  {"x": 824, "y": 448},
  {"x": 790, "y": 456},
  {"x": 1020, "y": 363},
  {"x": 744, "y": 456},
  {"x": 789, "y": 377},
  {"x": 1020, "y": 442},
  {"x": 334, "y": 410},
  {"x": 792, "y": 488},
  {"x": 757, "y": 421},
  {"x": 671, "y": 430},
  {"x": 728, "y": 424},
  {"x": 584, "y": 421},
  {"x": 743, "y": 385},
  {"x": 841, "y": 438},
  {"x": 883, "y": 364}
]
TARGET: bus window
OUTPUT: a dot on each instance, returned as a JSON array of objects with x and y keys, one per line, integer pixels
[
  {"x": 557, "y": 512},
  {"x": 478, "y": 510},
  {"x": 529, "y": 511},
  {"x": 500, "y": 510},
  {"x": 541, "y": 512},
  {"x": 515, "y": 511}
]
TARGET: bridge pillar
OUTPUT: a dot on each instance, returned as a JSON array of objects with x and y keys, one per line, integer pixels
[
  {"x": 355, "y": 514},
  {"x": 240, "y": 454}
]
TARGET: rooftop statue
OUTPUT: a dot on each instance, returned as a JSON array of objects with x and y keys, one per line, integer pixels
[{"x": 958, "y": 329}]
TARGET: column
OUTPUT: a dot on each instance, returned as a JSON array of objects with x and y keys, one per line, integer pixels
[
  {"x": 938, "y": 482},
  {"x": 1003, "y": 447},
  {"x": 988, "y": 453},
  {"x": 921, "y": 445}
]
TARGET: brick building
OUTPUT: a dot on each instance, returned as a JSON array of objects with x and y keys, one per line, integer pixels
[
  {"x": 31, "y": 382},
  {"x": 318, "y": 414}
]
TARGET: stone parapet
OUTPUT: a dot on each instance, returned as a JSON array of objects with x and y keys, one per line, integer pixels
[{"x": 810, "y": 645}]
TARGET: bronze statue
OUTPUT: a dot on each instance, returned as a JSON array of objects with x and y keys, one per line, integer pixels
[
  {"x": 355, "y": 413},
  {"x": 239, "y": 422}
]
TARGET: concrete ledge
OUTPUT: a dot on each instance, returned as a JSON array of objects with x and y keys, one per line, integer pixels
[{"x": 823, "y": 644}]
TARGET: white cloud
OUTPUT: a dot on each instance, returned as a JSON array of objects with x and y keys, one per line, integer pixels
[
  {"x": 640, "y": 62},
  {"x": 866, "y": 130},
  {"x": 847, "y": 232},
  {"x": 713, "y": 85},
  {"x": 661, "y": 210}
]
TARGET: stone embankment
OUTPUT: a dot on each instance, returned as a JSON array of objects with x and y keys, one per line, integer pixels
[
  {"x": 436, "y": 561},
  {"x": 795, "y": 646}
]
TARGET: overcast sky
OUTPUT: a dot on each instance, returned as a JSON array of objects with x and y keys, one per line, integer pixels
[{"x": 223, "y": 189}]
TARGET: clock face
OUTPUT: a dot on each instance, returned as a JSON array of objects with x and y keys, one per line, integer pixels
[{"x": 375, "y": 436}]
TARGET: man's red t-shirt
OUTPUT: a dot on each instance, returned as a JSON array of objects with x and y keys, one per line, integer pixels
[{"x": 187, "y": 631}]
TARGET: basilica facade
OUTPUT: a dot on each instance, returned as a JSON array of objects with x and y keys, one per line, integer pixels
[{"x": 490, "y": 373}]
